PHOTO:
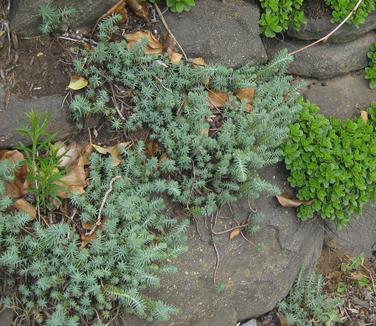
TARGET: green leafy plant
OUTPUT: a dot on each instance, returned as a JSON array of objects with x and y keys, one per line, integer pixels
[
  {"x": 370, "y": 71},
  {"x": 178, "y": 5},
  {"x": 52, "y": 17},
  {"x": 42, "y": 161},
  {"x": 341, "y": 9},
  {"x": 86, "y": 268},
  {"x": 212, "y": 155},
  {"x": 278, "y": 16},
  {"x": 352, "y": 270},
  {"x": 333, "y": 163},
  {"x": 307, "y": 302}
]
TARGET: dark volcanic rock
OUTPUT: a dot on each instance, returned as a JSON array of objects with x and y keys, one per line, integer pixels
[
  {"x": 226, "y": 33},
  {"x": 359, "y": 236},
  {"x": 25, "y": 20},
  {"x": 254, "y": 280},
  {"x": 342, "y": 97},
  {"x": 325, "y": 60},
  {"x": 13, "y": 116},
  {"x": 318, "y": 27}
]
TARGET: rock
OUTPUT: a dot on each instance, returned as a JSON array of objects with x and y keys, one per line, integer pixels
[
  {"x": 254, "y": 281},
  {"x": 25, "y": 20},
  {"x": 252, "y": 322},
  {"x": 325, "y": 60},
  {"x": 342, "y": 97},
  {"x": 6, "y": 317},
  {"x": 13, "y": 116},
  {"x": 318, "y": 27},
  {"x": 223, "y": 33},
  {"x": 358, "y": 237}
]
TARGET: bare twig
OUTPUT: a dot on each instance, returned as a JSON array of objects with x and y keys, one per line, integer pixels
[
  {"x": 326, "y": 37},
  {"x": 169, "y": 30},
  {"x": 99, "y": 219},
  {"x": 230, "y": 229}
]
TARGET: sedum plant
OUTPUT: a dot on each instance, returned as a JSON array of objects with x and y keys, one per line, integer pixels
[
  {"x": 333, "y": 163},
  {"x": 178, "y": 6},
  {"x": 341, "y": 9},
  {"x": 209, "y": 155},
  {"x": 52, "y": 17},
  {"x": 307, "y": 302},
  {"x": 59, "y": 275},
  {"x": 277, "y": 16},
  {"x": 370, "y": 71}
]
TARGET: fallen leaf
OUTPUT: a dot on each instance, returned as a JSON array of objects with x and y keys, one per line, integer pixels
[
  {"x": 234, "y": 233},
  {"x": 85, "y": 154},
  {"x": 286, "y": 200},
  {"x": 118, "y": 8},
  {"x": 281, "y": 320},
  {"x": 15, "y": 188},
  {"x": 138, "y": 9},
  {"x": 364, "y": 116},
  {"x": 198, "y": 62},
  {"x": 153, "y": 47},
  {"x": 71, "y": 153},
  {"x": 24, "y": 206},
  {"x": 217, "y": 99},
  {"x": 75, "y": 179},
  {"x": 175, "y": 57},
  {"x": 86, "y": 239},
  {"x": 357, "y": 276},
  {"x": 77, "y": 82},
  {"x": 248, "y": 95},
  {"x": 114, "y": 151},
  {"x": 151, "y": 148}
]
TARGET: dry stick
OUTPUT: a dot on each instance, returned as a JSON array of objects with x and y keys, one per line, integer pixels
[
  {"x": 99, "y": 219},
  {"x": 169, "y": 30},
  {"x": 325, "y": 38}
]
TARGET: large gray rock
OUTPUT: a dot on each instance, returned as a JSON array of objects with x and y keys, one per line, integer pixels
[
  {"x": 254, "y": 281},
  {"x": 318, "y": 27},
  {"x": 358, "y": 237},
  {"x": 226, "y": 33},
  {"x": 25, "y": 20},
  {"x": 13, "y": 116},
  {"x": 343, "y": 96},
  {"x": 6, "y": 317},
  {"x": 325, "y": 60}
]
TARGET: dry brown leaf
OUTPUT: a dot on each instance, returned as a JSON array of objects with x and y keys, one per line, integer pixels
[
  {"x": 24, "y": 206},
  {"x": 74, "y": 180},
  {"x": 118, "y": 8},
  {"x": 198, "y": 62},
  {"x": 357, "y": 276},
  {"x": 281, "y": 320},
  {"x": 153, "y": 47},
  {"x": 175, "y": 57},
  {"x": 217, "y": 99},
  {"x": 234, "y": 233},
  {"x": 16, "y": 188},
  {"x": 287, "y": 200},
  {"x": 71, "y": 153},
  {"x": 364, "y": 116},
  {"x": 138, "y": 9},
  {"x": 77, "y": 82},
  {"x": 86, "y": 239},
  {"x": 85, "y": 154},
  {"x": 114, "y": 151},
  {"x": 247, "y": 94},
  {"x": 151, "y": 148}
]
